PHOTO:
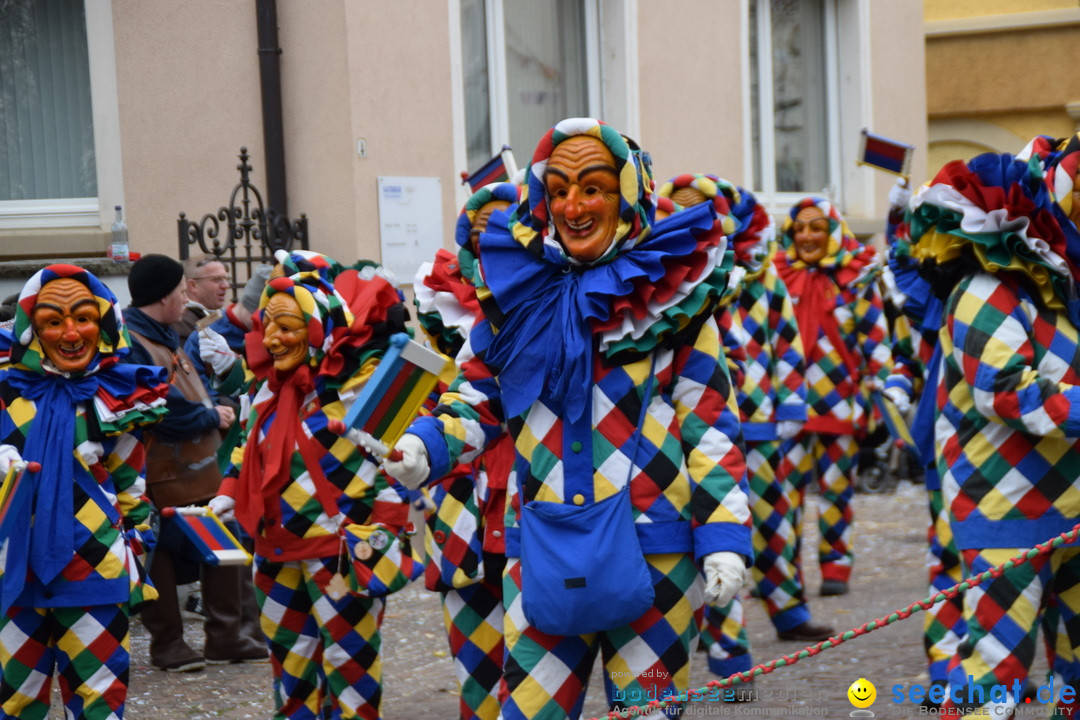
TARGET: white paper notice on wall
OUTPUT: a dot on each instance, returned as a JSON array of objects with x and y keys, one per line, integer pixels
[{"x": 410, "y": 223}]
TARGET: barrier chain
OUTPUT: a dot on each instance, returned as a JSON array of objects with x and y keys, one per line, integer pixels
[{"x": 840, "y": 638}]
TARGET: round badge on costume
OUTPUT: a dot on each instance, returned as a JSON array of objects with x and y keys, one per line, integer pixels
[
  {"x": 362, "y": 551},
  {"x": 379, "y": 540}
]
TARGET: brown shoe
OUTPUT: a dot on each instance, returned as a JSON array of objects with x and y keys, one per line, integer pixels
[{"x": 807, "y": 632}]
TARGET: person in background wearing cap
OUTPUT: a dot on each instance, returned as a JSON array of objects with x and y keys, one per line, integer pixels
[
  {"x": 70, "y": 579},
  {"x": 608, "y": 373},
  {"x": 182, "y": 469},
  {"x": 207, "y": 283}
]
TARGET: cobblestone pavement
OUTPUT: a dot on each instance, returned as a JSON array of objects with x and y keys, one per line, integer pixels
[{"x": 889, "y": 575}]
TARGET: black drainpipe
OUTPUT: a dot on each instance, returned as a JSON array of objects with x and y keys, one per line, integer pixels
[{"x": 273, "y": 126}]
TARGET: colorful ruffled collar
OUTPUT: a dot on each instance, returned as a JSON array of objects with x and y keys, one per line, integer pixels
[{"x": 1010, "y": 215}]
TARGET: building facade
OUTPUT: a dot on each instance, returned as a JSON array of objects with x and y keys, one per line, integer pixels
[{"x": 148, "y": 104}]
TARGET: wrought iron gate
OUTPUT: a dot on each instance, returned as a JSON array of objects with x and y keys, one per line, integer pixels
[{"x": 251, "y": 233}]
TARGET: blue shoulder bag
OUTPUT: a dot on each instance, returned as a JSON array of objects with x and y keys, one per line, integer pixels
[{"x": 582, "y": 568}]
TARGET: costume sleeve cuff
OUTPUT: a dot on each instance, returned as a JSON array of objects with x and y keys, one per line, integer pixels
[
  {"x": 722, "y": 536},
  {"x": 896, "y": 380},
  {"x": 228, "y": 487},
  {"x": 430, "y": 430}
]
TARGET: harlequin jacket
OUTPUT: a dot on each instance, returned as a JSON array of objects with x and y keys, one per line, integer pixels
[
  {"x": 70, "y": 532},
  {"x": 996, "y": 236},
  {"x": 841, "y": 320},
  {"x": 295, "y": 481},
  {"x": 470, "y": 500},
  {"x": 570, "y": 366},
  {"x": 774, "y": 388}
]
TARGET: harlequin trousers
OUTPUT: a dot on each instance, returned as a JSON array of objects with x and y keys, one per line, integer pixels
[
  {"x": 828, "y": 460},
  {"x": 86, "y": 648},
  {"x": 323, "y": 652},
  {"x": 473, "y": 616},
  {"x": 547, "y": 675},
  {"x": 1003, "y": 617},
  {"x": 943, "y": 622}
]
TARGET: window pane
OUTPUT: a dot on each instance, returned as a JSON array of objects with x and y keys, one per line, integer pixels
[
  {"x": 799, "y": 95},
  {"x": 46, "y": 127},
  {"x": 755, "y": 97},
  {"x": 545, "y": 68},
  {"x": 477, "y": 93}
]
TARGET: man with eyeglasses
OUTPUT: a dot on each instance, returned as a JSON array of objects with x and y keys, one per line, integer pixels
[{"x": 207, "y": 283}]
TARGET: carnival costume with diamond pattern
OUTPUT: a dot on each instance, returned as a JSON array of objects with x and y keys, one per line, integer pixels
[
  {"x": 70, "y": 577},
  {"x": 324, "y": 651},
  {"x": 762, "y": 318},
  {"x": 566, "y": 372},
  {"x": 841, "y": 319},
  {"x": 465, "y": 536},
  {"x": 994, "y": 236}
]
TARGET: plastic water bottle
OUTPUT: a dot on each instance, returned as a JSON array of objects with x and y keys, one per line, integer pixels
[{"x": 118, "y": 247}]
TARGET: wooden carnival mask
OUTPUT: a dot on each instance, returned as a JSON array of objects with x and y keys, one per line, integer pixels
[
  {"x": 285, "y": 332},
  {"x": 582, "y": 186},
  {"x": 810, "y": 233},
  {"x": 67, "y": 322}
]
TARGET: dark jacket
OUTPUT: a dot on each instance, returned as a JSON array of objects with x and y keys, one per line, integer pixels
[{"x": 185, "y": 418}]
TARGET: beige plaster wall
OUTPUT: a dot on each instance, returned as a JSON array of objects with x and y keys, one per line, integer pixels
[
  {"x": 691, "y": 102},
  {"x": 897, "y": 82},
  {"x": 188, "y": 93},
  {"x": 349, "y": 70},
  {"x": 996, "y": 71},
  {"x": 950, "y": 9},
  {"x": 377, "y": 71}
]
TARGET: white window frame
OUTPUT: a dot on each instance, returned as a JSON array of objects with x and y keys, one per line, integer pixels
[
  {"x": 608, "y": 24},
  {"x": 94, "y": 212},
  {"x": 777, "y": 202}
]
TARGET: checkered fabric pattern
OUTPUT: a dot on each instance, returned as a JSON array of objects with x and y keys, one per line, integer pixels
[
  {"x": 943, "y": 623},
  {"x": 725, "y": 637},
  {"x": 828, "y": 460},
  {"x": 99, "y": 567},
  {"x": 473, "y": 616},
  {"x": 323, "y": 652},
  {"x": 833, "y": 392},
  {"x": 546, "y": 675},
  {"x": 777, "y": 506},
  {"x": 1003, "y": 619},
  {"x": 305, "y": 529},
  {"x": 86, "y": 647},
  {"x": 688, "y": 465},
  {"x": 774, "y": 388},
  {"x": 1008, "y": 416}
]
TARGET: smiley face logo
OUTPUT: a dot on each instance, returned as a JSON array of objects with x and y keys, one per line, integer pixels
[{"x": 862, "y": 693}]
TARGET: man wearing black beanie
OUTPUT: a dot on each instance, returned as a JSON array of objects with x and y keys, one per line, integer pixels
[{"x": 182, "y": 469}]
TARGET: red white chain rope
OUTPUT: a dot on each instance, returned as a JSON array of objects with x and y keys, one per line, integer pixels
[{"x": 840, "y": 638}]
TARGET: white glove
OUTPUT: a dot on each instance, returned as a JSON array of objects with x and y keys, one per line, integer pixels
[
  {"x": 899, "y": 194},
  {"x": 874, "y": 383},
  {"x": 899, "y": 398},
  {"x": 91, "y": 452},
  {"x": 724, "y": 575},
  {"x": 8, "y": 457},
  {"x": 222, "y": 506},
  {"x": 787, "y": 429},
  {"x": 214, "y": 350},
  {"x": 413, "y": 468}
]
